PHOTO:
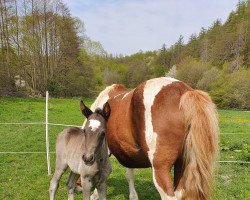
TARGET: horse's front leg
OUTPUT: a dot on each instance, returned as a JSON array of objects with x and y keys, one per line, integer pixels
[
  {"x": 71, "y": 184},
  {"x": 131, "y": 182},
  {"x": 86, "y": 187},
  {"x": 102, "y": 191},
  {"x": 54, "y": 183}
]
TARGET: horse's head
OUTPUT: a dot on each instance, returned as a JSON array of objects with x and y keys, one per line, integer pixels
[{"x": 94, "y": 131}]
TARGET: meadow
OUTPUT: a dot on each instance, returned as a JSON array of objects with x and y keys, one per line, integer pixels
[{"x": 24, "y": 176}]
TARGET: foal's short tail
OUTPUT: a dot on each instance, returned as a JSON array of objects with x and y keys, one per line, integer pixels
[{"x": 201, "y": 144}]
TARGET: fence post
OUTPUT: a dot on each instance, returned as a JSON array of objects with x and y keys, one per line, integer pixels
[{"x": 47, "y": 133}]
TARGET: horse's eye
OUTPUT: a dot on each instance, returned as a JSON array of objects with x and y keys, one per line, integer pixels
[{"x": 84, "y": 131}]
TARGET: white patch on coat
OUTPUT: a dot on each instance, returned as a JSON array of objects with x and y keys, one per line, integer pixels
[
  {"x": 178, "y": 194},
  {"x": 160, "y": 190},
  {"x": 100, "y": 100},
  {"x": 126, "y": 94},
  {"x": 118, "y": 95},
  {"x": 151, "y": 89},
  {"x": 94, "y": 124}
]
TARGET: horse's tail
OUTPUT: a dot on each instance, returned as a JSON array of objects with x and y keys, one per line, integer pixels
[{"x": 200, "y": 145}]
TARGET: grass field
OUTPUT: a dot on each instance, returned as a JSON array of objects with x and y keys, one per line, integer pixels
[{"x": 24, "y": 176}]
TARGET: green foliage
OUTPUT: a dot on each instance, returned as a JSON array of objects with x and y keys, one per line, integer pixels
[
  {"x": 208, "y": 78},
  {"x": 46, "y": 50},
  {"x": 140, "y": 68},
  {"x": 53, "y": 88},
  {"x": 93, "y": 48},
  {"x": 232, "y": 90},
  {"x": 191, "y": 71}
]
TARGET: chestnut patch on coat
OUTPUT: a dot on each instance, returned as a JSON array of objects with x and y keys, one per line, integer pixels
[{"x": 169, "y": 125}]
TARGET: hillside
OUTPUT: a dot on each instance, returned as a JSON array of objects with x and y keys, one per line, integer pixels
[{"x": 43, "y": 47}]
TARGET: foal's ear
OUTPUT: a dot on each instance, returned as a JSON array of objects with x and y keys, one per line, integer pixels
[
  {"x": 85, "y": 110},
  {"x": 106, "y": 110}
]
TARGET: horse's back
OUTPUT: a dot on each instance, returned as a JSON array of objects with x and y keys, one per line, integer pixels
[
  {"x": 69, "y": 139},
  {"x": 144, "y": 117},
  {"x": 158, "y": 120}
]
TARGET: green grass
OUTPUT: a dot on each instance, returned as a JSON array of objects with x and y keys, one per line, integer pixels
[{"x": 24, "y": 176}]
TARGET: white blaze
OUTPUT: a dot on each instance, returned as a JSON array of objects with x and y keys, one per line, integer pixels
[
  {"x": 94, "y": 124},
  {"x": 152, "y": 88}
]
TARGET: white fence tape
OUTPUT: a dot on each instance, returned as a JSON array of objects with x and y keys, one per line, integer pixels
[
  {"x": 23, "y": 123},
  {"x": 234, "y": 161},
  {"x": 26, "y": 152},
  {"x": 37, "y": 123},
  {"x": 44, "y": 152},
  {"x": 71, "y": 125},
  {"x": 68, "y": 125}
]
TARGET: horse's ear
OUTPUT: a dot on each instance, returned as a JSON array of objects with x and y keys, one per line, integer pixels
[
  {"x": 106, "y": 110},
  {"x": 85, "y": 110}
]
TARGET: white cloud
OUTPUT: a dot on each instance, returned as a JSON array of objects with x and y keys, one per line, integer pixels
[{"x": 126, "y": 26}]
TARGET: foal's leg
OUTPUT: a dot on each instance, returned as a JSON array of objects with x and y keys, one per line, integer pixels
[
  {"x": 60, "y": 169},
  {"x": 102, "y": 191},
  {"x": 86, "y": 187},
  {"x": 102, "y": 186},
  {"x": 71, "y": 184},
  {"x": 130, "y": 178}
]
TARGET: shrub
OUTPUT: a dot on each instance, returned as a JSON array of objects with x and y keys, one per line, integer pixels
[
  {"x": 191, "y": 71},
  {"x": 208, "y": 78},
  {"x": 232, "y": 90}
]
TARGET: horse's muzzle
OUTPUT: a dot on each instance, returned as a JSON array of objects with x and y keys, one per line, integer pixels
[{"x": 88, "y": 160}]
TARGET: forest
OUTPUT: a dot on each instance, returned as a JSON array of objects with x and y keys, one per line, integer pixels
[{"x": 43, "y": 47}]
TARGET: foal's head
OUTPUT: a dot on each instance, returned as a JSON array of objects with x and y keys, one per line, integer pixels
[{"x": 94, "y": 131}]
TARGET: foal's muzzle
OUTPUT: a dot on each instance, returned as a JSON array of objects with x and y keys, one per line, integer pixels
[{"x": 88, "y": 160}]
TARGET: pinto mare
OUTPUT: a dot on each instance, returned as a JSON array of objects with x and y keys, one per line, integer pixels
[
  {"x": 164, "y": 123},
  {"x": 85, "y": 151}
]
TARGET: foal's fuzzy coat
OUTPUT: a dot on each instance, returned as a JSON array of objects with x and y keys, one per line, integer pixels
[{"x": 85, "y": 151}]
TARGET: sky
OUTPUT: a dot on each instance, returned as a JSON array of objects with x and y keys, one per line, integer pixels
[{"x": 128, "y": 26}]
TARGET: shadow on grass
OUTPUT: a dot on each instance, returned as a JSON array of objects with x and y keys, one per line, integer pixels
[{"x": 118, "y": 189}]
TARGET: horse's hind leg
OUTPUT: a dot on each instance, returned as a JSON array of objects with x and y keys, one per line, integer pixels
[
  {"x": 130, "y": 178},
  {"x": 71, "y": 184},
  {"x": 178, "y": 178},
  {"x": 60, "y": 169},
  {"x": 163, "y": 182}
]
